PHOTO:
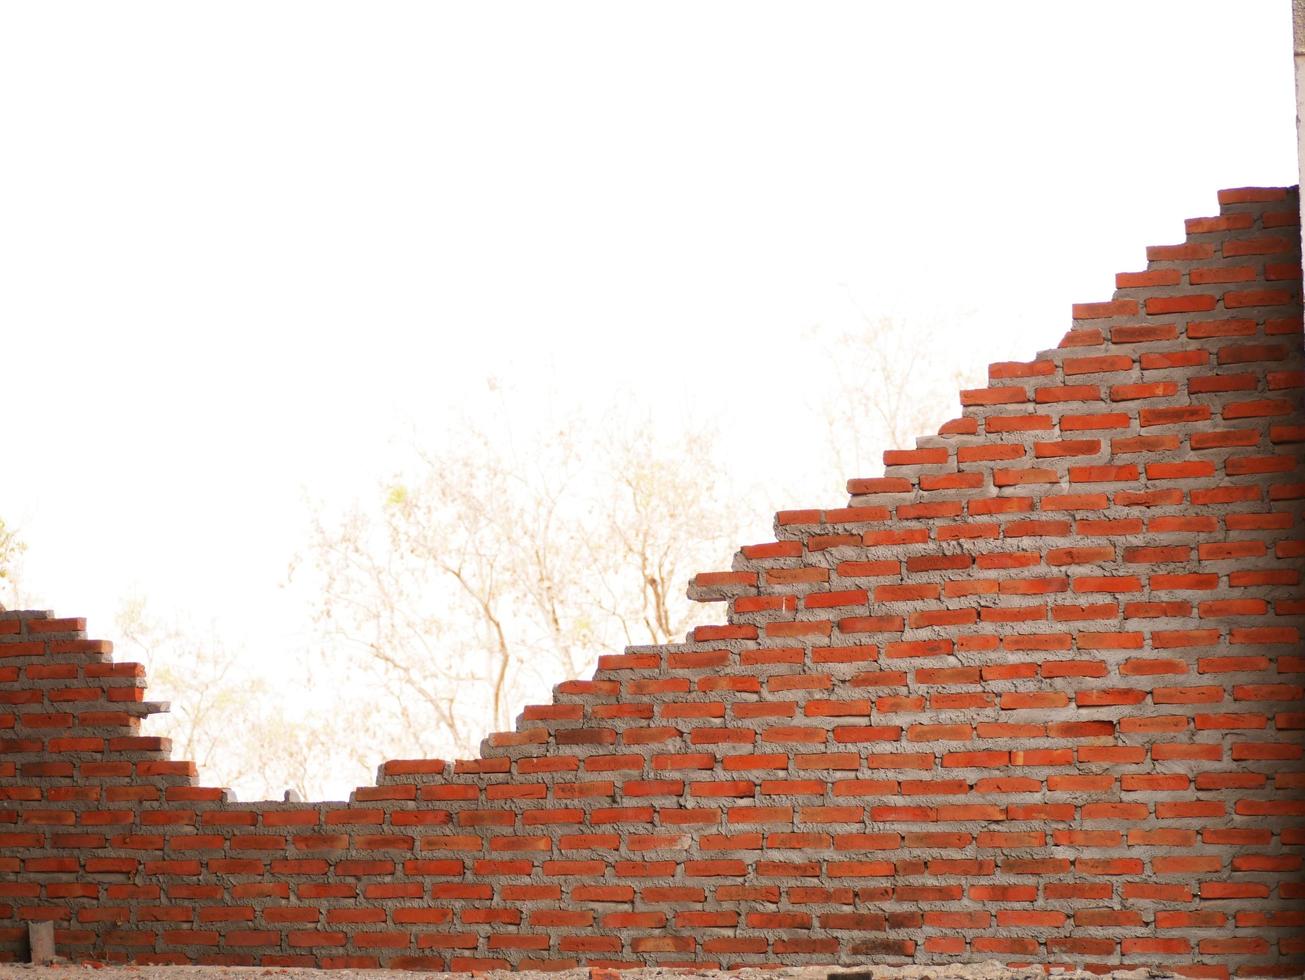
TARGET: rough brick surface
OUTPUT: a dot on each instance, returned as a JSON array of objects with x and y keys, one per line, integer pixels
[{"x": 1035, "y": 694}]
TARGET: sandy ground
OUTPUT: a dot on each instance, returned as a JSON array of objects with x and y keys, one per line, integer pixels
[{"x": 990, "y": 970}]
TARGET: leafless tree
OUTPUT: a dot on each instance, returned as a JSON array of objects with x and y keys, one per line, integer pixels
[
  {"x": 511, "y": 558},
  {"x": 11, "y": 555},
  {"x": 213, "y": 697},
  {"x": 891, "y": 382}
]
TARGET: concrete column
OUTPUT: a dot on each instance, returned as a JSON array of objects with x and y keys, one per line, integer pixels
[{"x": 1298, "y": 33}]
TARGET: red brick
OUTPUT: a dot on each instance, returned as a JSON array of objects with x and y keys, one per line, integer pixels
[{"x": 1083, "y": 756}]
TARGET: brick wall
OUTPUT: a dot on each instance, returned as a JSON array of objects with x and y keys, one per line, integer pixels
[{"x": 1034, "y": 694}]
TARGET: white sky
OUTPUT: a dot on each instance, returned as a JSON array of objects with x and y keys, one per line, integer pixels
[{"x": 243, "y": 245}]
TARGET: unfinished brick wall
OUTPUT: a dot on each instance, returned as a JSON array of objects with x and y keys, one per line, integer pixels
[{"x": 1034, "y": 694}]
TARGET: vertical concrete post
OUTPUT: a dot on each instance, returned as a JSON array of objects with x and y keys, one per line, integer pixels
[
  {"x": 40, "y": 942},
  {"x": 1298, "y": 34}
]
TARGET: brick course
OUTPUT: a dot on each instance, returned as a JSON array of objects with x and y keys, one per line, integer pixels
[{"x": 1035, "y": 694}]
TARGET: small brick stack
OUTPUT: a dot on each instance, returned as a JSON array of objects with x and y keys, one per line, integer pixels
[{"x": 1035, "y": 695}]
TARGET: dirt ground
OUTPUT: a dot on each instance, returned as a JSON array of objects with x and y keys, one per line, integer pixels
[{"x": 991, "y": 970}]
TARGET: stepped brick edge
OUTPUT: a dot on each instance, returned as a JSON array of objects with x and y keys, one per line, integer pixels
[{"x": 1033, "y": 694}]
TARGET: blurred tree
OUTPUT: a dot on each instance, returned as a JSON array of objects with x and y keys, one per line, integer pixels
[
  {"x": 214, "y": 696},
  {"x": 11, "y": 552},
  {"x": 502, "y": 562},
  {"x": 889, "y": 384},
  {"x": 312, "y": 741}
]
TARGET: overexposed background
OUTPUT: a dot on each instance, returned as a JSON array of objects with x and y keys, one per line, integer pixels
[{"x": 252, "y": 253}]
